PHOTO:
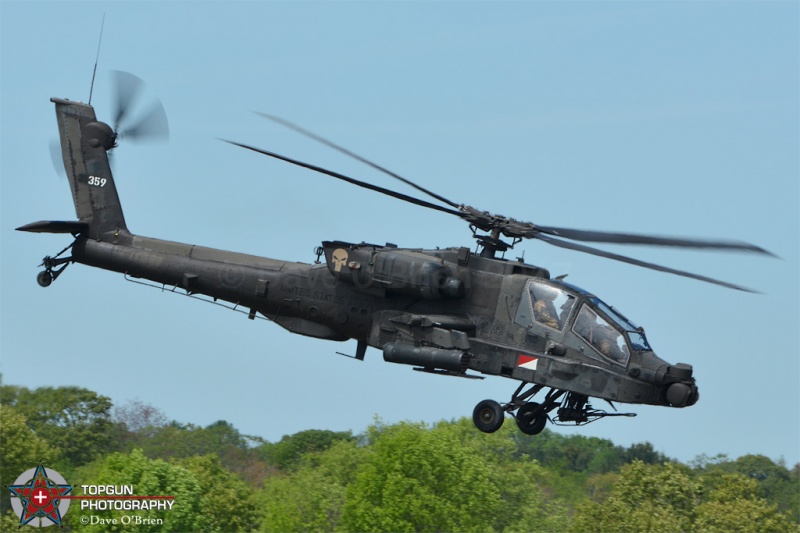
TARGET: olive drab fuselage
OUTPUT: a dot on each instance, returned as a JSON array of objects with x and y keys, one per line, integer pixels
[
  {"x": 447, "y": 311},
  {"x": 484, "y": 318}
]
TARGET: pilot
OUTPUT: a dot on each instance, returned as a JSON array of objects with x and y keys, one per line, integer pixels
[
  {"x": 584, "y": 324},
  {"x": 544, "y": 311},
  {"x": 607, "y": 344}
]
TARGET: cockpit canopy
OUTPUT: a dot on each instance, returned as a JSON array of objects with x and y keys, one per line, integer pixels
[{"x": 562, "y": 307}]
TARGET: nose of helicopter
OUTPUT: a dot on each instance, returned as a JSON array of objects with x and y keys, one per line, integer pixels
[
  {"x": 679, "y": 395},
  {"x": 683, "y": 391}
]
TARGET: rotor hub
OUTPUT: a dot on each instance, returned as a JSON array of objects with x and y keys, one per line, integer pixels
[{"x": 100, "y": 135}]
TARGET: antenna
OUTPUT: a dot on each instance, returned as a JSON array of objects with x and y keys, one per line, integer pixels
[{"x": 97, "y": 58}]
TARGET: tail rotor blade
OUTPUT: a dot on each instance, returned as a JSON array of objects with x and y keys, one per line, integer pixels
[
  {"x": 56, "y": 158},
  {"x": 153, "y": 125},
  {"x": 128, "y": 90}
]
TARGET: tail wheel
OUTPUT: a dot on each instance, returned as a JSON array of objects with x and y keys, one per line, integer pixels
[
  {"x": 531, "y": 418},
  {"x": 44, "y": 278},
  {"x": 488, "y": 416}
]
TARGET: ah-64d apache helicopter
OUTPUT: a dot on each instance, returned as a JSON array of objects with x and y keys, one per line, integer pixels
[{"x": 444, "y": 311}]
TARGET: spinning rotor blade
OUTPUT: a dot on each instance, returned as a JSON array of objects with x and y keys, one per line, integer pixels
[
  {"x": 632, "y": 238},
  {"x": 56, "y": 158},
  {"x": 393, "y": 194},
  {"x": 153, "y": 124},
  {"x": 516, "y": 229},
  {"x": 637, "y": 262},
  {"x": 128, "y": 89},
  {"x": 345, "y": 151}
]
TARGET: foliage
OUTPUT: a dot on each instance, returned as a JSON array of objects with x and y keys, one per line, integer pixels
[
  {"x": 669, "y": 498},
  {"x": 644, "y": 498},
  {"x": 185, "y": 440},
  {"x": 587, "y": 455},
  {"x": 177, "y": 441},
  {"x": 226, "y": 502},
  {"x": 138, "y": 417},
  {"x": 286, "y": 453},
  {"x": 525, "y": 488},
  {"x": 149, "y": 477},
  {"x": 9, "y": 521},
  {"x": 421, "y": 480},
  {"x": 76, "y": 420},
  {"x": 735, "y": 506},
  {"x": 10, "y": 393},
  {"x": 393, "y": 477},
  {"x": 526, "y": 507},
  {"x": 774, "y": 481},
  {"x": 311, "y": 496},
  {"x": 447, "y": 478},
  {"x": 571, "y": 460},
  {"x": 598, "y": 487},
  {"x": 21, "y": 449}
]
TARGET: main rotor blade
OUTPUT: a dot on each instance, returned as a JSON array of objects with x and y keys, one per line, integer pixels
[
  {"x": 393, "y": 194},
  {"x": 345, "y": 151},
  {"x": 637, "y": 262},
  {"x": 128, "y": 89},
  {"x": 632, "y": 238}
]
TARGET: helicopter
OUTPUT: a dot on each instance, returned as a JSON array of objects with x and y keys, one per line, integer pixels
[{"x": 451, "y": 311}]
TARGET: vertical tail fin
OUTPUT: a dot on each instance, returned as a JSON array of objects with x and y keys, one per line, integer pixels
[{"x": 84, "y": 146}]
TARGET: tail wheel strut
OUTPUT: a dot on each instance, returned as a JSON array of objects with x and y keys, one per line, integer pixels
[{"x": 50, "y": 264}]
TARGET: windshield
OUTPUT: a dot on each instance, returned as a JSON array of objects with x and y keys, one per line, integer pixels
[
  {"x": 635, "y": 334},
  {"x": 603, "y": 337}
]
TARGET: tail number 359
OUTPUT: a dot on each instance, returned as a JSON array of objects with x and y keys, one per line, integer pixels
[{"x": 97, "y": 182}]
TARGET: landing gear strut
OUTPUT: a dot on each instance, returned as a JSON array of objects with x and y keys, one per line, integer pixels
[
  {"x": 50, "y": 264},
  {"x": 532, "y": 417}
]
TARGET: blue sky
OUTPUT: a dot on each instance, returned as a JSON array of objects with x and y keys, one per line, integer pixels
[{"x": 670, "y": 118}]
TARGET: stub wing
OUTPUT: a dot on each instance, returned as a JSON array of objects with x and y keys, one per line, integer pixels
[{"x": 55, "y": 226}]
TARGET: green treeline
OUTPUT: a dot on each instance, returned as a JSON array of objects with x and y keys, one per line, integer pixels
[{"x": 399, "y": 477}]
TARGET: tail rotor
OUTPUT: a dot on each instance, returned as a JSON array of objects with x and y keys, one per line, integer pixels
[{"x": 150, "y": 124}]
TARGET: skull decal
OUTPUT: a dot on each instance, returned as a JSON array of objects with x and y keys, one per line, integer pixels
[{"x": 339, "y": 258}]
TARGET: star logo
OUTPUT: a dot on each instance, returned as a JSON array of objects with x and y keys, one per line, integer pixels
[{"x": 38, "y": 493}]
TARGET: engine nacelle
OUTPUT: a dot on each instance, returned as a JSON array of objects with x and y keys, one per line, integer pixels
[{"x": 396, "y": 271}]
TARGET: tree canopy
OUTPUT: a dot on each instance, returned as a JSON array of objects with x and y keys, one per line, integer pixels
[{"x": 399, "y": 477}]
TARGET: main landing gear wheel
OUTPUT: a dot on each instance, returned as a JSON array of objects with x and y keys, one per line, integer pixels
[
  {"x": 531, "y": 418},
  {"x": 488, "y": 416}
]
